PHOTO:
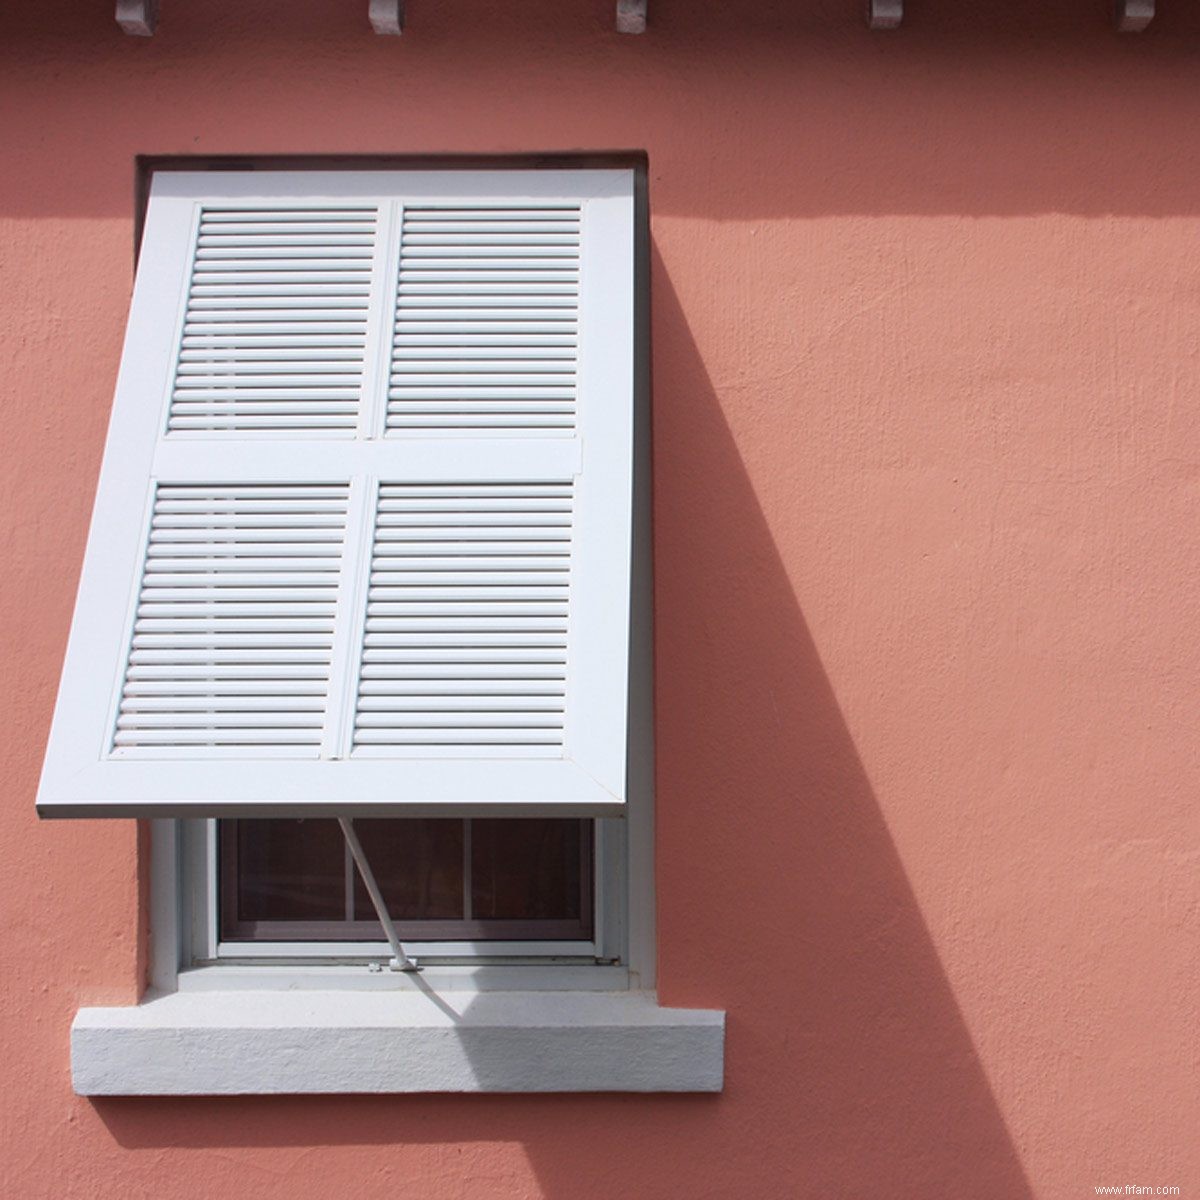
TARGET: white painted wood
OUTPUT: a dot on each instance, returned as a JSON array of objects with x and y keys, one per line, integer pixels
[
  {"x": 885, "y": 14},
  {"x": 260, "y": 1042},
  {"x": 269, "y": 780},
  {"x": 138, "y": 17},
  {"x": 598, "y": 650},
  {"x": 499, "y": 553},
  {"x": 1132, "y": 16},
  {"x": 387, "y": 16},
  {"x": 168, "y": 923},
  {"x": 631, "y": 16},
  {"x": 206, "y": 888}
]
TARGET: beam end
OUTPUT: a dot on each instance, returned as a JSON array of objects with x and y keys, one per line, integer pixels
[
  {"x": 387, "y": 17},
  {"x": 631, "y": 16},
  {"x": 139, "y": 18},
  {"x": 885, "y": 14},
  {"x": 1132, "y": 16}
]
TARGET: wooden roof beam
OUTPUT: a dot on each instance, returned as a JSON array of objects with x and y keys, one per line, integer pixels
[
  {"x": 137, "y": 17},
  {"x": 387, "y": 17},
  {"x": 631, "y": 16},
  {"x": 1132, "y": 16},
  {"x": 885, "y": 14},
  {"x": 140, "y": 17}
]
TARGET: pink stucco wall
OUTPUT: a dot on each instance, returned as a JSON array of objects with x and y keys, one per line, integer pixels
[{"x": 926, "y": 369}]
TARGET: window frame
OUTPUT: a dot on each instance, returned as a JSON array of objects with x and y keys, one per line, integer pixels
[
  {"x": 186, "y": 954},
  {"x": 199, "y": 883},
  {"x": 247, "y": 933}
]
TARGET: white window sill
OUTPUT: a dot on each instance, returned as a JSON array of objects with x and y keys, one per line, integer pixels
[{"x": 409, "y": 1040}]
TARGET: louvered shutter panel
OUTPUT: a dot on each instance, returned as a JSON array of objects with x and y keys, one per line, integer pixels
[
  {"x": 467, "y": 620},
  {"x": 275, "y": 329},
  {"x": 362, "y": 537},
  {"x": 232, "y": 643},
  {"x": 487, "y": 319}
]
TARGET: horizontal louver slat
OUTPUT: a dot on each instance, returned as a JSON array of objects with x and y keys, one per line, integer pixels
[
  {"x": 486, "y": 310},
  {"x": 232, "y": 645},
  {"x": 478, "y": 660},
  {"x": 275, "y": 332}
]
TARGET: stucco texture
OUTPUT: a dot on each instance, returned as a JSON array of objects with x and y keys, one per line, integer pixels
[{"x": 926, "y": 394}]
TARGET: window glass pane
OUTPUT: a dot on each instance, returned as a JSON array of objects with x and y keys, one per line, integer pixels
[
  {"x": 442, "y": 880},
  {"x": 290, "y": 871},
  {"x": 527, "y": 869},
  {"x": 418, "y": 865}
]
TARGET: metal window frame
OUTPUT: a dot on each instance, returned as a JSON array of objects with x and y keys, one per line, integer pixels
[{"x": 184, "y": 864}]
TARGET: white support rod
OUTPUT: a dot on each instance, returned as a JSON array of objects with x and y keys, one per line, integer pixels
[
  {"x": 387, "y": 17},
  {"x": 137, "y": 17},
  {"x": 400, "y": 960},
  {"x": 885, "y": 14},
  {"x": 1132, "y": 16},
  {"x": 631, "y": 16}
]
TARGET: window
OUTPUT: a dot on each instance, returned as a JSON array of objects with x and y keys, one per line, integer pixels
[
  {"x": 471, "y": 894},
  {"x": 364, "y": 547},
  {"x": 442, "y": 880}
]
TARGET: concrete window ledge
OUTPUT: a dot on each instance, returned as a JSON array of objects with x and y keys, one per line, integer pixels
[{"x": 261, "y": 1042}]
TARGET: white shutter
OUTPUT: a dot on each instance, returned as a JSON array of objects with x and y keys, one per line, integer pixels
[{"x": 362, "y": 537}]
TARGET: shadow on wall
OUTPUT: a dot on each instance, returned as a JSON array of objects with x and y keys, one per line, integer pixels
[{"x": 850, "y": 1071}]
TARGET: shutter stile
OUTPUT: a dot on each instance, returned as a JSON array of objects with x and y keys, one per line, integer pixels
[{"x": 275, "y": 333}]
